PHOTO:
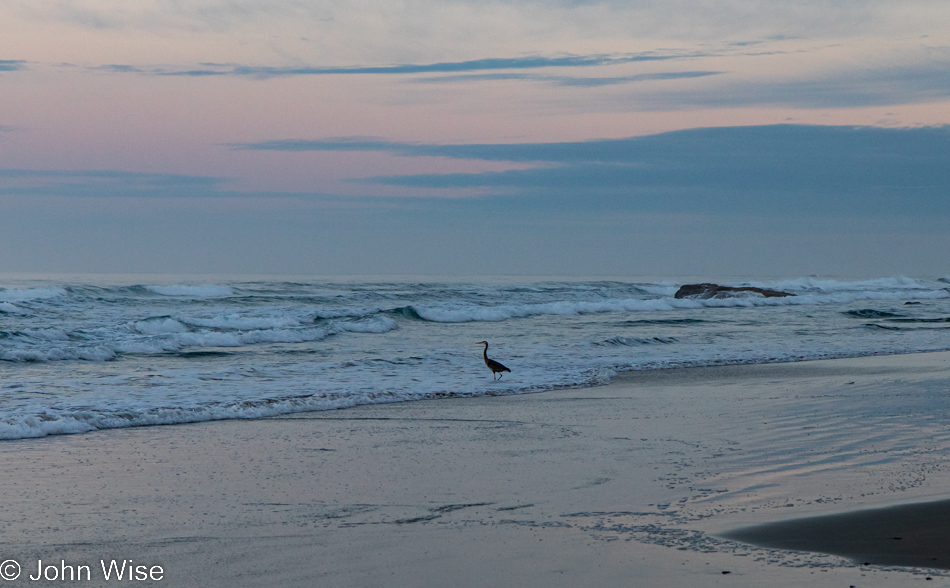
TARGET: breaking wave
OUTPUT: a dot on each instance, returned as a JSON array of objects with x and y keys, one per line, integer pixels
[
  {"x": 31, "y": 294},
  {"x": 206, "y": 291}
]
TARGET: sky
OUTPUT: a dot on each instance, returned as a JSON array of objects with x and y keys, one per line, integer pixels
[{"x": 740, "y": 138}]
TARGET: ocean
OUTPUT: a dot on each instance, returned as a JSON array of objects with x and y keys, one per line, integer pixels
[{"x": 90, "y": 353}]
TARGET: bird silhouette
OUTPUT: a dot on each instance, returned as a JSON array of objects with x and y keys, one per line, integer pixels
[{"x": 494, "y": 366}]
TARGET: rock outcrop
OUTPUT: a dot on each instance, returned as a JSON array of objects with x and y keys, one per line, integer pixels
[{"x": 704, "y": 291}]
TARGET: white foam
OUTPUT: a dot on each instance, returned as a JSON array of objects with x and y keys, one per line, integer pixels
[
  {"x": 11, "y": 308},
  {"x": 333, "y": 313},
  {"x": 465, "y": 313},
  {"x": 376, "y": 324},
  {"x": 160, "y": 326},
  {"x": 47, "y": 334},
  {"x": 32, "y": 427},
  {"x": 22, "y": 355},
  {"x": 205, "y": 291},
  {"x": 660, "y": 288},
  {"x": 282, "y": 336},
  {"x": 94, "y": 353},
  {"x": 152, "y": 345},
  {"x": 210, "y": 339},
  {"x": 178, "y": 340},
  {"x": 243, "y": 323},
  {"x": 829, "y": 285},
  {"x": 54, "y": 423}
]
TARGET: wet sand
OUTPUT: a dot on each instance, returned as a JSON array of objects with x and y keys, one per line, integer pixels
[
  {"x": 912, "y": 535},
  {"x": 631, "y": 484}
]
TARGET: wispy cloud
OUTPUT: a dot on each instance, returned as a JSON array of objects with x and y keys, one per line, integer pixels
[
  {"x": 12, "y": 64},
  {"x": 335, "y": 144},
  {"x": 914, "y": 83},
  {"x": 120, "y": 68},
  {"x": 474, "y": 65},
  {"x": 523, "y": 152},
  {"x": 577, "y": 81},
  {"x": 924, "y": 76}
]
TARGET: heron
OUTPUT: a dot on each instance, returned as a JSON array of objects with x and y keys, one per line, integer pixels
[{"x": 494, "y": 366}]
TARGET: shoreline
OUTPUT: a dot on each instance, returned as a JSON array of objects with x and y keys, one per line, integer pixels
[
  {"x": 156, "y": 418},
  {"x": 633, "y": 481}
]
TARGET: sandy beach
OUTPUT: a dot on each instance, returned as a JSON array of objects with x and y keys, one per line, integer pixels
[{"x": 631, "y": 484}]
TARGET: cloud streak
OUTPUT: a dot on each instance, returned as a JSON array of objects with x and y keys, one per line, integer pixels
[
  {"x": 449, "y": 67},
  {"x": 767, "y": 169},
  {"x": 870, "y": 86},
  {"x": 925, "y": 77},
  {"x": 570, "y": 81},
  {"x": 12, "y": 64}
]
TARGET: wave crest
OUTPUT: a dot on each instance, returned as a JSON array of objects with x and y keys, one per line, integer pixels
[
  {"x": 31, "y": 294},
  {"x": 204, "y": 291}
]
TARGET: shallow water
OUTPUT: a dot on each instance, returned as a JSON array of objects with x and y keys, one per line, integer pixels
[{"x": 89, "y": 353}]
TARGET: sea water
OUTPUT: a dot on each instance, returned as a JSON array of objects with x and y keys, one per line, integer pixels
[{"x": 89, "y": 353}]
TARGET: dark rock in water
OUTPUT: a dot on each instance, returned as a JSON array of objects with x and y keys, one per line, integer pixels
[
  {"x": 909, "y": 303},
  {"x": 867, "y": 313},
  {"x": 704, "y": 291}
]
